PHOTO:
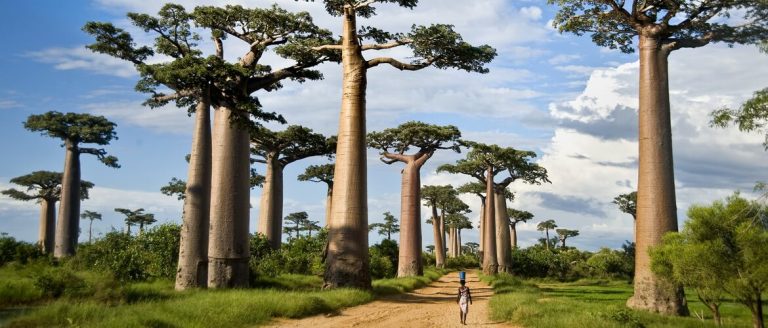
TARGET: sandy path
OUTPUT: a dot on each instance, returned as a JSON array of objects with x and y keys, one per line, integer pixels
[{"x": 431, "y": 306}]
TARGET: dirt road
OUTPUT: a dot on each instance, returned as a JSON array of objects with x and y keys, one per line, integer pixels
[{"x": 431, "y": 306}]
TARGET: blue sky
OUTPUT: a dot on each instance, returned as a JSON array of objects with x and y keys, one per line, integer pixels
[{"x": 559, "y": 95}]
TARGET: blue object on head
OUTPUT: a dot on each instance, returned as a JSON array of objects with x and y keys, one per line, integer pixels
[{"x": 462, "y": 275}]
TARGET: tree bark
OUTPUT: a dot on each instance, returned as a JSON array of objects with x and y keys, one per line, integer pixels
[
  {"x": 656, "y": 209},
  {"x": 228, "y": 249},
  {"x": 458, "y": 242},
  {"x": 436, "y": 224},
  {"x": 513, "y": 235},
  {"x": 68, "y": 228},
  {"x": 503, "y": 253},
  {"x": 546, "y": 240},
  {"x": 482, "y": 228},
  {"x": 271, "y": 208},
  {"x": 490, "y": 263},
  {"x": 443, "y": 234},
  {"x": 347, "y": 262},
  {"x": 193, "y": 247},
  {"x": 47, "y": 230},
  {"x": 328, "y": 205},
  {"x": 409, "y": 258},
  {"x": 757, "y": 312}
]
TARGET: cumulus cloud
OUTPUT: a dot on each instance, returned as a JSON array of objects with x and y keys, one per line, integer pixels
[
  {"x": 81, "y": 58},
  {"x": 167, "y": 119}
]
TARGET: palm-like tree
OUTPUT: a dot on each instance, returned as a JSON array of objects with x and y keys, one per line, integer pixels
[
  {"x": 546, "y": 226},
  {"x": 90, "y": 215}
]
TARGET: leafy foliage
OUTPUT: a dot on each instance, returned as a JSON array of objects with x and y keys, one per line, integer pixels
[
  {"x": 627, "y": 203},
  {"x": 386, "y": 228},
  {"x": 12, "y": 250},
  {"x": 294, "y": 143},
  {"x": 384, "y": 259},
  {"x": 175, "y": 187},
  {"x": 43, "y": 185},
  {"x": 516, "y": 163},
  {"x": 427, "y": 138},
  {"x": 752, "y": 115},
  {"x": 318, "y": 173},
  {"x": 77, "y": 129}
]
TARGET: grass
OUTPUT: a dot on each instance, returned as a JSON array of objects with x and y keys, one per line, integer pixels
[
  {"x": 590, "y": 303},
  {"x": 156, "y": 304}
]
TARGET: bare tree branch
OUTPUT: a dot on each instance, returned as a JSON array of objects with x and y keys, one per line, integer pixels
[
  {"x": 328, "y": 47},
  {"x": 398, "y": 64},
  {"x": 389, "y": 45}
]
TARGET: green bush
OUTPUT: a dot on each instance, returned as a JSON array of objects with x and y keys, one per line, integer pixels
[
  {"x": 462, "y": 262},
  {"x": 302, "y": 255},
  {"x": 384, "y": 259},
  {"x": 12, "y": 250},
  {"x": 54, "y": 282}
]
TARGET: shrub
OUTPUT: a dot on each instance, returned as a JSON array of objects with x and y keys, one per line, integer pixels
[
  {"x": 384, "y": 259},
  {"x": 16, "y": 250}
]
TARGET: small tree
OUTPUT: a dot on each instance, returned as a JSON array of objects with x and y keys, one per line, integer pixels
[
  {"x": 434, "y": 196},
  {"x": 309, "y": 226},
  {"x": 721, "y": 249},
  {"x": 563, "y": 234},
  {"x": 45, "y": 188},
  {"x": 393, "y": 145},
  {"x": 515, "y": 217},
  {"x": 546, "y": 226},
  {"x": 297, "y": 219},
  {"x": 74, "y": 130},
  {"x": 472, "y": 247},
  {"x": 145, "y": 219},
  {"x": 90, "y": 216},
  {"x": 132, "y": 217},
  {"x": 324, "y": 174},
  {"x": 751, "y": 116},
  {"x": 175, "y": 187},
  {"x": 388, "y": 227},
  {"x": 627, "y": 203}
]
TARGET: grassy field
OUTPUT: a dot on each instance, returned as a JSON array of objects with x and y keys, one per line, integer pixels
[
  {"x": 593, "y": 304},
  {"x": 156, "y": 304}
]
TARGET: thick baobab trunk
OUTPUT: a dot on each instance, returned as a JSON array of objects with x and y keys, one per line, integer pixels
[
  {"x": 193, "y": 247},
  {"x": 503, "y": 253},
  {"x": 490, "y": 263},
  {"x": 656, "y": 209},
  {"x": 513, "y": 235},
  {"x": 47, "y": 230},
  {"x": 228, "y": 249},
  {"x": 409, "y": 258},
  {"x": 347, "y": 262},
  {"x": 68, "y": 222},
  {"x": 271, "y": 208},
  {"x": 443, "y": 233},
  {"x": 458, "y": 242},
  {"x": 437, "y": 234},
  {"x": 449, "y": 241}
]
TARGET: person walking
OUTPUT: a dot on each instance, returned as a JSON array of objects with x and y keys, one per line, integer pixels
[{"x": 464, "y": 299}]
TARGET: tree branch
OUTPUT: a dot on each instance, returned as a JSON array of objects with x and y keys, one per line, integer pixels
[
  {"x": 327, "y": 47},
  {"x": 219, "y": 47},
  {"x": 624, "y": 13},
  {"x": 390, "y": 45},
  {"x": 393, "y": 158},
  {"x": 422, "y": 157},
  {"x": 675, "y": 44},
  {"x": 366, "y": 3},
  {"x": 398, "y": 64},
  {"x": 269, "y": 79}
]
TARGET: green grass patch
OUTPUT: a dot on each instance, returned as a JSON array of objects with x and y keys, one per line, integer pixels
[
  {"x": 289, "y": 282},
  {"x": 590, "y": 303}
]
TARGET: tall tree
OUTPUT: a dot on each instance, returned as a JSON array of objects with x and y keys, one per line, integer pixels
[
  {"x": 484, "y": 163},
  {"x": 145, "y": 219},
  {"x": 388, "y": 227},
  {"x": 90, "y": 216},
  {"x": 563, "y": 234},
  {"x": 661, "y": 27},
  {"x": 132, "y": 217},
  {"x": 44, "y": 187},
  {"x": 310, "y": 226},
  {"x": 393, "y": 145},
  {"x": 435, "y": 45},
  {"x": 477, "y": 188},
  {"x": 298, "y": 219},
  {"x": 462, "y": 222},
  {"x": 433, "y": 197},
  {"x": 182, "y": 69},
  {"x": 74, "y": 130},
  {"x": 321, "y": 173},
  {"x": 452, "y": 210},
  {"x": 515, "y": 217},
  {"x": 546, "y": 226},
  {"x": 277, "y": 150}
]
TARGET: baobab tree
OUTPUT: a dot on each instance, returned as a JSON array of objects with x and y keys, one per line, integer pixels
[
  {"x": 276, "y": 150},
  {"x": 388, "y": 227},
  {"x": 451, "y": 211},
  {"x": 297, "y": 219},
  {"x": 627, "y": 203},
  {"x": 44, "y": 187},
  {"x": 393, "y": 144},
  {"x": 321, "y": 173},
  {"x": 145, "y": 219},
  {"x": 436, "y": 45},
  {"x": 546, "y": 226},
  {"x": 185, "y": 72},
  {"x": 90, "y": 216},
  {"x": 310, "y": 226},
  {"x": 516, "y": 216},
  {"x": 433, "y": 196},
  {"x": 477, "y": 188},
  {"x": 132, "y": 217},
  {"x": 563, "y": 234},
  {"x": 484, "y": 163},
  {"x": 661, "y": 27},
  {"x": 74, "y": 130},
  {"x": 459, "y": 222}
]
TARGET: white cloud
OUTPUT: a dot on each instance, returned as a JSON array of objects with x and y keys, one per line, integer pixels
[
  {"x": 532, "y": 13},
  {"x": 562, "y": 59},
  {"x": 83, "y": 59},
  {"x": 166, "y": 119},
  {"x": 7, "y": 104}
]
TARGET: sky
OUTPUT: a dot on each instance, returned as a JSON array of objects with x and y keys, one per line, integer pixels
[{"x": 570, "y": 101}]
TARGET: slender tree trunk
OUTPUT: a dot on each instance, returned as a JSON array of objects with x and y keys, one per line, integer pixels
[
  {"x": 715, "y": 308},
  {"x": 458, "y": 242},
  {"x": 193, "y": 247},
  {"x": 228, "y": 249},
  {"x": 490, "y": 263},
  {"x": 271, "y": 208},
  {"x": 409, "y": 258},
  {"x": 90, "y": 230},
  {"x": 503, "y": 253},
  {"x": 757, "y": 312},
  {"x": 546, "y": 241},
  {"x": 67, "y": 228},
  {"x": 656, "y": 209},
  {"x": 128, "y": 229},
  {"x": 436, "y": 224},
  {"x": 562, "y": 242},
  {"x": 513, "y": 235},
  {"x": 347, "y": 262},
  {"x": 443, "y": 233},
  {"x": 450, "y": 242},
  {"x": 328, "y": 204},
  {"x": 482, "y": 228},
  {"x": 47, "y": 230}
]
